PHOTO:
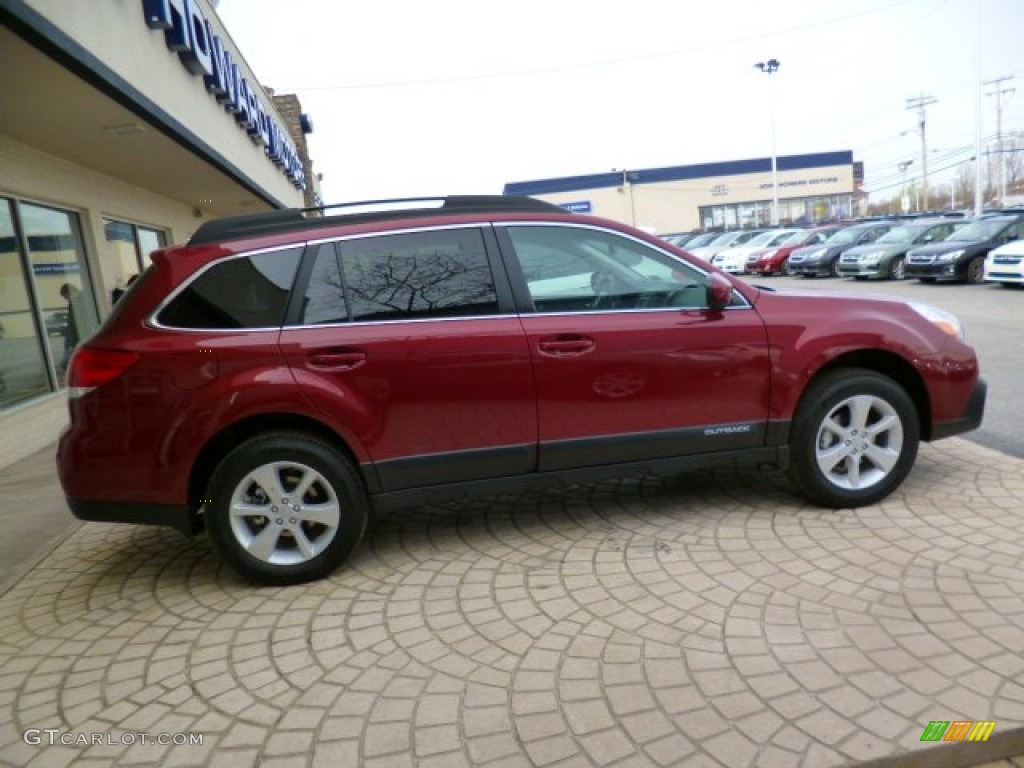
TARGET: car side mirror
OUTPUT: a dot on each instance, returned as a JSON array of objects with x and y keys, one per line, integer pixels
[{"x": 719, "y": 291}]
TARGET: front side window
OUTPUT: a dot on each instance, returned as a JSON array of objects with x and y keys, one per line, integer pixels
[
  {"x": 247, "y": 292},
  {"x": 577, "y": 269},
  {"x": 442, "y": 273}
]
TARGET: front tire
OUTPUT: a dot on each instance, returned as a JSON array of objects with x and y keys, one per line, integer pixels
[
  {"x": 854, "y": 439},
  {"x": 976, "y": 270},
  {"x": 898, "y": 269},
  {"x": 285, "y": 508}
]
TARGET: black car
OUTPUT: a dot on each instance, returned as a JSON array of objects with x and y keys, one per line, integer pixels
[
  {"x": 815, "y": 260},
  {"x": 961, "y": 256}
]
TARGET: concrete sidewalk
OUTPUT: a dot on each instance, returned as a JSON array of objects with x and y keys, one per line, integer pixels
[{"x": 709, "y": 620}]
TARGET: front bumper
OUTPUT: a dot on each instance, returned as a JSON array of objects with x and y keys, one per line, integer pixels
[
  {"x": 861, "y": 270},
  {"x": 971, "y": 418},
  {"x": 943, "y": 271},
  {"x": 815, "y": 268}
]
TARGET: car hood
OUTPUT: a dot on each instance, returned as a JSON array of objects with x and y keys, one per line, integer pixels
[{"x": 876, "y": 247}]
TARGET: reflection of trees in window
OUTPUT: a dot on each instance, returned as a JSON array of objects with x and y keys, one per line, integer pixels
[{"x": 418, "y": 275}]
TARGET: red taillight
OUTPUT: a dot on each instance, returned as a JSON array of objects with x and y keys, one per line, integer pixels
[{"x": 92, "y": 367}]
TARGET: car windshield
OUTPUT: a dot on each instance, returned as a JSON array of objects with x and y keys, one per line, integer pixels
[
  {"x": 701, "y": 240},
  {"x": 845, "y": 236},
  {"x": 765, "y": 238},
  {"x": 782, "y": 236},
  {"x": 982, "y": 229},
  {"x": 796, "y": 238},
  {"x": 725, "y": 239},
  {"x": 902, "y": 235}
]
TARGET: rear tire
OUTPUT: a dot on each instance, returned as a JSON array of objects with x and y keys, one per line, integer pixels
[
  {"x": 854, "y": 438},
  {"x": 285, "y": 508}
]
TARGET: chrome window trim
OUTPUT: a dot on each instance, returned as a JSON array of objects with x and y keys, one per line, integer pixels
[
  {"x": 404, "y": 231},
  {"x": 152, "y": 321},
  {"x": 358, "y": 323}
]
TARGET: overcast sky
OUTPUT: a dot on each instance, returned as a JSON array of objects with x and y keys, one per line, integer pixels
[{"x": 459, "y": 97}]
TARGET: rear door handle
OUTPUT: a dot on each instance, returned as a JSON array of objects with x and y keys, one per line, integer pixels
[{"x": 337, "y": 360}]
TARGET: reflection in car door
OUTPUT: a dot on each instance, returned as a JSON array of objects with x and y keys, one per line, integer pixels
[{"x": 640, "y": 375}]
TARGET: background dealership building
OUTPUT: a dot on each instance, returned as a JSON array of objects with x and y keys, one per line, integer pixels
[
  {"x": 124, "y": 124},
  {"x": 728, "y": 195}
]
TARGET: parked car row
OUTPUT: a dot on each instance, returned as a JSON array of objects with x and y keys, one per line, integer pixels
[{"x": 988, "y": 248}]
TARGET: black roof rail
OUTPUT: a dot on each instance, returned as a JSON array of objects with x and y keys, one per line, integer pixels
[{"x": 292, "y": 219}]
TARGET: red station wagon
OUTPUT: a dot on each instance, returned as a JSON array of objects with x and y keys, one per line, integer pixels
[{"x": 281, "y": 375}]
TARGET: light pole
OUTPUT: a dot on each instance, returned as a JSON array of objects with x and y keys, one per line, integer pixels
[
  {"x": 904, "y": 198},
  {"x": 770, "y": 67}
]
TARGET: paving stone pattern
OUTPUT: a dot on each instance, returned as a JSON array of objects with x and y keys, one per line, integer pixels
[{"x": 706, "y": 620}]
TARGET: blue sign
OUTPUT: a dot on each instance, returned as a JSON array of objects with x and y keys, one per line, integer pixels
[
  {"x": 187, "y": 31},
  {"x": 583, "y": 206}
]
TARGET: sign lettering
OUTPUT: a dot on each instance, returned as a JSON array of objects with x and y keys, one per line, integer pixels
[{"x": 188, "y": 32}]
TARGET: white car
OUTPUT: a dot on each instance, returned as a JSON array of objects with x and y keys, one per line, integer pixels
[
  {"x": 723, "y": 241},
  {"x": 1005, "y": 264},
  {"x": 735, "y": 259}
]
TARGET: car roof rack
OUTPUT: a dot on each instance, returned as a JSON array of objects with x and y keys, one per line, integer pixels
[{"x": 292, "y": 219}]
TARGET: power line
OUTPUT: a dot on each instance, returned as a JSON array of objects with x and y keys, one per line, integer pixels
[{"x": 800, "y": 28}]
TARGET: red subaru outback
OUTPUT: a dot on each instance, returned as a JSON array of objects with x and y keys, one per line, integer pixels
[{"x": 280, "y": 375}]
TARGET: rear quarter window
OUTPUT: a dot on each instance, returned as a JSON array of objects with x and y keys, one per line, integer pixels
[{"x": 245, "y": 292}]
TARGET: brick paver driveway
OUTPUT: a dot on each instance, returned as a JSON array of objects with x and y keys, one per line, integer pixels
[{"x": 707, "y": 620}]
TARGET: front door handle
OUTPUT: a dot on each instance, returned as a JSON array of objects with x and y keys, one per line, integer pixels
[
  {"x": 566, "y": 346},
  {"x": 336, "y": 359}
]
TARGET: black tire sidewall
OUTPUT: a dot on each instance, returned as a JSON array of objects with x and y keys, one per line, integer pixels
[
  {"x": 302, "y": 449},
  {"x": 976, "y": 270},
  {"x": 819, "y": 399}
]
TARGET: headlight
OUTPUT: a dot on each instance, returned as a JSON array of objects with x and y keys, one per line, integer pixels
[
  {"x": 817, "y": 254},
  {"x": 872, "y": 259},
  {"x": 940, "y": 318},
  {"x": 951, "y": 256}
]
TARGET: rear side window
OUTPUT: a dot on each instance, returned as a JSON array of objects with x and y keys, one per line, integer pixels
[
  {"x": 443, "y": 273},
  {"x": 247, "y": 292}
]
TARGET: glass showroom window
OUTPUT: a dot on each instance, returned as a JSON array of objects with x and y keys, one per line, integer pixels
[
  {"x": 22, "y": 365},
  {"x": 127, "y": 254},
  {"x": 46, "y": 302}
]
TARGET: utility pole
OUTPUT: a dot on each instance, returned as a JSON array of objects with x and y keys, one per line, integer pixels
[
  {"x": 998, "y": 93},
  {"x": 919, "y": 103}
]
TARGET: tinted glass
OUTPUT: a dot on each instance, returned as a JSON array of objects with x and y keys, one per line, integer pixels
[
  {"x": 247, "y": 292},
  {"x": 575, "y": 269},
  {"x": 981, "y": 229},
  {"x": 325, "y": 296},
  {"x": 416, "y": 275}
]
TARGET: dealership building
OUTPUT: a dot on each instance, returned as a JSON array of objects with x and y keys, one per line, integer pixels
[
  {"x": 124, "y": 124},
  {"x": 727, "y": 195}
]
